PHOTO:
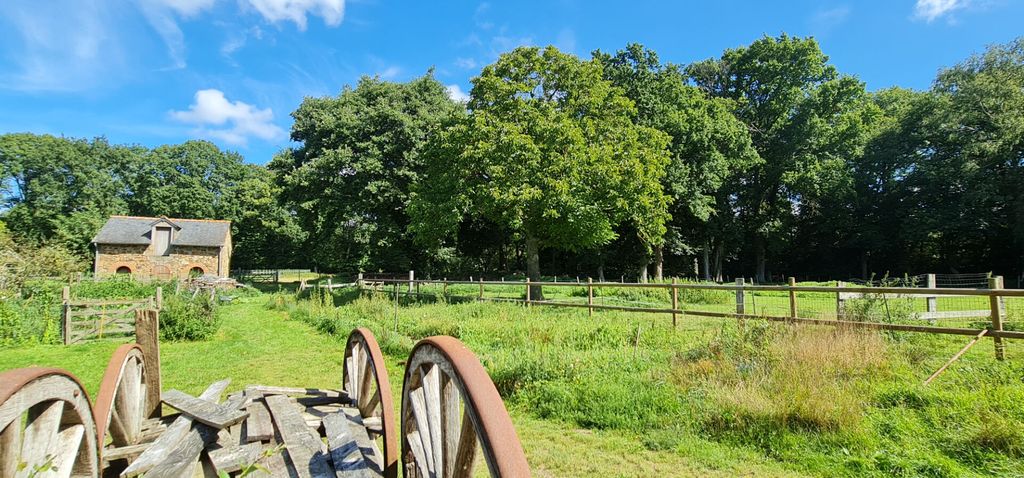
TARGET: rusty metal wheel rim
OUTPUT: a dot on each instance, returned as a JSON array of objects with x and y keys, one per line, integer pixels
[
  {"x": 123, "y": 390},
  {"x": 443, "y": 382},
  {"x": 363, "y": 345},
  {"x": 59, "y": 433}
]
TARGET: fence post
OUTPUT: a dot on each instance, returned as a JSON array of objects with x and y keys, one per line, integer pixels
[
  {"x": 933, "y": 301},
  {"x": 147, "y": 335},
  {"x": 527, "y": 291},
  {"x": 412, "y": 277},
  {"x": 481, "y": 296},
  {"x": 329, "y": 284},
  {"x": 792, "y": 297},
  {"x": 996, "y": 283},
  {"x": 65, "y": 317},
  {"x": 840, "y": 300},
  {"x": 444, "y": 290},
  {"x": 159, "y": 298},
  {"x": 675, "y": 300},
  {"x": 590, "y": 297},
  {"x": 740, "y": 309}
]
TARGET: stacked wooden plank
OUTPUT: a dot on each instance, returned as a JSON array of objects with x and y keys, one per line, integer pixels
[{"x": 260, "y": 431}]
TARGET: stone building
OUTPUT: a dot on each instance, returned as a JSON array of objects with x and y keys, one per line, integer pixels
[{"x": 162, "y": 248}]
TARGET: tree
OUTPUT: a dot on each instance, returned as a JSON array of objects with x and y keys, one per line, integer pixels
[
  {"x": 708, "y": 145},
  {"x": 550, "y": 153},
  {"x": 803, "y": 118},
  {"x": 350, "y": 179},
  {"x": 57, "y": 188}
]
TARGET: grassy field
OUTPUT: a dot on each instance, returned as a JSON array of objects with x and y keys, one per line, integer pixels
[{"x": 625, "y": 394}]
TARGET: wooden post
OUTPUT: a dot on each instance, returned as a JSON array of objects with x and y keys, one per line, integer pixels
[
  {"x": 329, "y": 284},
  {"x": 481, "y": 296},
  {"x": 147, "y": 335},
  {"x": 792, "y": 297},
  {"x": 159, "y": 298},
  {"x": 590, "y": 297},
  {"x": 840, "y": 301},
  {"x": 412, "y": 278},
  {"x": 933, "y": 301},
  {"x": 444, "y": 289},
  {"x": 65, "y": 316},
  {"x": 527, "y": 292},
  {"x": 740, "y": 309},
  {"x": 996, "y": 283},
  {"x": 675, "y": 301}
]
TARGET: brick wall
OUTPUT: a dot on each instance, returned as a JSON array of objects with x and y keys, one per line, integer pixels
[{"x": 143, "y": 264}]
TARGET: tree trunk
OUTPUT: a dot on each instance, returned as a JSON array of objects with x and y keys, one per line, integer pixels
[
  {"x": 864, "y": 265},
  {"x": 533, "y": 266},
  {"x": 600, "y": 270},
  {"x": 706, "y": 258},
  {"x": 719, "y": 253},
  {"x": 659, "y": 262},
  {"x": 643, "y": 274},
  {"x": 759, "y": 258}
]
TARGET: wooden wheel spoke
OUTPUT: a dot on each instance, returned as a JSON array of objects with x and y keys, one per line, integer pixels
[
  {"x": 41, "y": 432},
  {"x": 451, "y": 415},
  {"x": 369, "y": 408},
  {"x": 465, "y": 456},
  {"x": 366, "y": 376},
  {"x": 68, "y": 444},
  {"x": 419, "y": 413},
  {"x": 10, "y": 447},
  {"x": 432, "y": 399},
  {"x": 420, "y": 457}
]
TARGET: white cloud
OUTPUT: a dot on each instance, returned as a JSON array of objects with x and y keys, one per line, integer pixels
[
  {"x": 825, "y": 20},
  {"x": 60, "y": 45},
  {"x": 390, "y": 72},
  {"x": 455, "y": 93},
  {"x": 467, "y": 63},
  {"x": 929, "y": 10},
  {"x": 186, "y": 7},
  {"x": 215, "y": 116},
  {"x": 332, "y": 11}
]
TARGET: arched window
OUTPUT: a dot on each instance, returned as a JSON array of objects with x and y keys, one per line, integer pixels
[
  {"x": 124, "y": 270},
  {"x": 196, "y": 272}
]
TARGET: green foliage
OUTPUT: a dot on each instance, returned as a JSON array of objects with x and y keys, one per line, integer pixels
[
  {"x": 184, "y": 318},
  {"x": 360, "y": 155},
  {"x": 549, "y": 151}
]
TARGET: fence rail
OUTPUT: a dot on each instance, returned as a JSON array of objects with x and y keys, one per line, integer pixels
[
  {"x": 851, "y": 306},
  {"x": 83, "y": 319}
]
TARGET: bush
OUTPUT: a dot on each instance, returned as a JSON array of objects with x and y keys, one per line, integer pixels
[{"x": 183, "y": 318}]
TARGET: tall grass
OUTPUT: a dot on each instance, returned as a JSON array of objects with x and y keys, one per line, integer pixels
[{"x": 822, "y": 400}]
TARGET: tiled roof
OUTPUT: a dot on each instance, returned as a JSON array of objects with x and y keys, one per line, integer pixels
[{"x": 136, "y": 230}]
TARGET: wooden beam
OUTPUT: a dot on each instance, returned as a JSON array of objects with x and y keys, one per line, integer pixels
[
  {"x": 203, "y": 411},
  {"x": 956, "y": 356}
]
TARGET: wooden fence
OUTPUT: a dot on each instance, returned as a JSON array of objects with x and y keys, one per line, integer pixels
[
  {"x": 83, "y": 319},
  {"x": 994, "y": 297}
]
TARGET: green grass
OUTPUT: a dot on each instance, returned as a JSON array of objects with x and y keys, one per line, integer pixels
[{"x": 707, "y": 399}]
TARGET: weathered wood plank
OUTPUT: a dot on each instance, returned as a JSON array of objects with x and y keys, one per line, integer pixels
[
  {"x": 258, "y": 426},
  {"x": 172, "y": 437},
  {"x": 203, "y": 411},
  {"x": 369, "y": 448},
  {"x": 231, "y": 459},
  {"x": 343, "y": 448},
  {"x": 271, "y": 390},
  {"x": 304, "y": 447},
  {"x": 187, "y": 454}
]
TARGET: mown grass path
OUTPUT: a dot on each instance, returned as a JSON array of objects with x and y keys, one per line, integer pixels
[{"x": 256, "y": 345}]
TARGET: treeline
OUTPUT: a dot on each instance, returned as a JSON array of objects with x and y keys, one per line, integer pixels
[{"x": 766, "y": 162}]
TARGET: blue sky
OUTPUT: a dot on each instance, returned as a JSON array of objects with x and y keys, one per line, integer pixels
[{"x": 163, "y": 71}]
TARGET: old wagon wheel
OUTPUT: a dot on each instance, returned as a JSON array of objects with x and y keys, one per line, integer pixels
[
  {"x": 365, "y": 379},
  {"x": 121, "y": 404},
  {"x": 46, "y": 425},
  {"x": 450, "y": 409}
]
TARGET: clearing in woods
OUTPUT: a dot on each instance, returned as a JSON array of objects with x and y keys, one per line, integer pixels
[{"x": 623, "y": 394}]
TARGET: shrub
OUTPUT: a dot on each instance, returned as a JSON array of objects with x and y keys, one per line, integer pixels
[{"x": 184, "y": 318}]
